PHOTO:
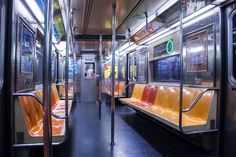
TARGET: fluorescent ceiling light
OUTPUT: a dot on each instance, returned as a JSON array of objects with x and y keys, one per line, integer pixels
[
  {"x": 191, "y": 18},
  {"x": 162, "y": 35},
  {"x": 61, "y": 46},
  {"x": 36, "y": 10},
  {"x": 163, "y": 8},
  {"x": 196, "y": 19},
  {"x": 166, "y": 6},
  {"x": 125, "y": 46},
  {"x": 199, "y": 12}
]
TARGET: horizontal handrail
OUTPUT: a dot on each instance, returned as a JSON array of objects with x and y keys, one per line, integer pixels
[
  {"x": 39, "y": 101},
  {"x": 31, "y": 95},
  {"x": 61, "y": 84},
  {"x": 198, "y": 98}
]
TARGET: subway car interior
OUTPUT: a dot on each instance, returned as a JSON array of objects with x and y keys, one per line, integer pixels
[{"x": 117, "y": 78}]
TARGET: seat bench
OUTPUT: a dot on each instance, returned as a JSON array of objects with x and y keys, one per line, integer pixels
[
  {"x": 162, "y": 103},
  {"x": 32, "y": 117},
  {"x": 33, "y": 114},
  {"x": 118, "y": 90},
  {"x": 63, "y": 91}
]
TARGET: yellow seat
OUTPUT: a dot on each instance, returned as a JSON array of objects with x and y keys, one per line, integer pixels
[
  {"x": 167, "y": 105},
  {"x": 137, "y": 93}
]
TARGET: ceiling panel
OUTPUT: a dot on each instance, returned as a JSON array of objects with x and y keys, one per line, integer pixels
[
  {"x": 94, "y": 16},
  {"x": 98, "y": 14}
]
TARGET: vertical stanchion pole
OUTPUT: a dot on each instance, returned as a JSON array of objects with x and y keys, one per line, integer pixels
[
  {"x": 67, "y": 62},
  {"x": 113, "y": 72},
  {"x": 100, "y": 78},
  {"x": 74, "y": 60},
  {"x": 181, "y": 67},
  {"x": 47, "y": 124}
]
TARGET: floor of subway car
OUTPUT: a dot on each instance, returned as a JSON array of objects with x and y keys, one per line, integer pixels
[{"x": 135, "y": 136}]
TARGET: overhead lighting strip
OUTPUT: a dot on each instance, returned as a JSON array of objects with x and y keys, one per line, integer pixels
[{"x": 163, "y": 8}]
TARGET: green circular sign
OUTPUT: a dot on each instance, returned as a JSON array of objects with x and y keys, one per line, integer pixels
[{"x": 170, "y": 46}]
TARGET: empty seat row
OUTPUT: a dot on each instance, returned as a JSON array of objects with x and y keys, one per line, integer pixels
[
  {"x": 163, "y": 102},
  {"x": 63, "y": 91},
  {"x": 118, "y": 90},
  {"x": 33, "y": 113}
]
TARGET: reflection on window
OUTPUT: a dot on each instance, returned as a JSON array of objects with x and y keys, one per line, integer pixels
[
  {"x": 167, "y": 69},
  {"x": 26, "y": 49},
  {"x": 122, "y": 68},
  {"x": 89, "y": 70},
  {"x": 61, "y": 69},
  {"x": 135, "y": 66},
  {"x": 197, "y": 52},
  {"x": 107, "y": 70},
  {"x": 130, "y": 67},
  {"x": 39, "y": 63},
  {"x": 54, "y": 67},
  {"x": 142, "y": 69}
]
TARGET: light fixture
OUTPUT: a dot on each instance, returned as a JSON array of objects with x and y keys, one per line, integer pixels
[
  {"x": 193, "y": 16},
  {"x": 186, "y": 22},
  {"x": 154, "y": 15},
  {"x": 36, "y": 10}
]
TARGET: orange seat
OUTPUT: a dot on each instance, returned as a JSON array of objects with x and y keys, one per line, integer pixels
[
  {"x": 167, "y": 107},
  {"x": 63, "y": 91},
  {"x": 119, "y": 89},
  {"x": 136, "y": 94},
  {"x": 32, "y": 112},
  {"x": 166, "y": 103}
]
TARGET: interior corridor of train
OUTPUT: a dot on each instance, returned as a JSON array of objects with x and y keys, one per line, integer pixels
[{"x": 117, "y": 78}]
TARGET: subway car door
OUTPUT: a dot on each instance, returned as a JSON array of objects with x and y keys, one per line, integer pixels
[
  {"x": 89, "y": 79},
  {"x": 229, "y": 135}
]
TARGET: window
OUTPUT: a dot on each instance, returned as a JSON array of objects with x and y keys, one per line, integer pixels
[
  {"x": 167, "y": 69},
  {"x": 130, "y": 67},
  {"x": 107, "y": 70},
  {"x": 61, "y": 67},
  {"x": 142, "y": 69},
  {"x": 122, "y": 68},
  {"x": 135, "y": 68},
  {"x": 26, "y": 49},
  {"x": 39, "y": 63},
  {"x": 196, "y": 47},
  {"x": 89, "y": 70},
  {"x": 54, "y": 67}
]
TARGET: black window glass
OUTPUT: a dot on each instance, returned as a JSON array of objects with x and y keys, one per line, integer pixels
[
  {"x": 234, "y": 46},
  {"x": 26, "y": 49},
  {"x": 167, "y": 69}
]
